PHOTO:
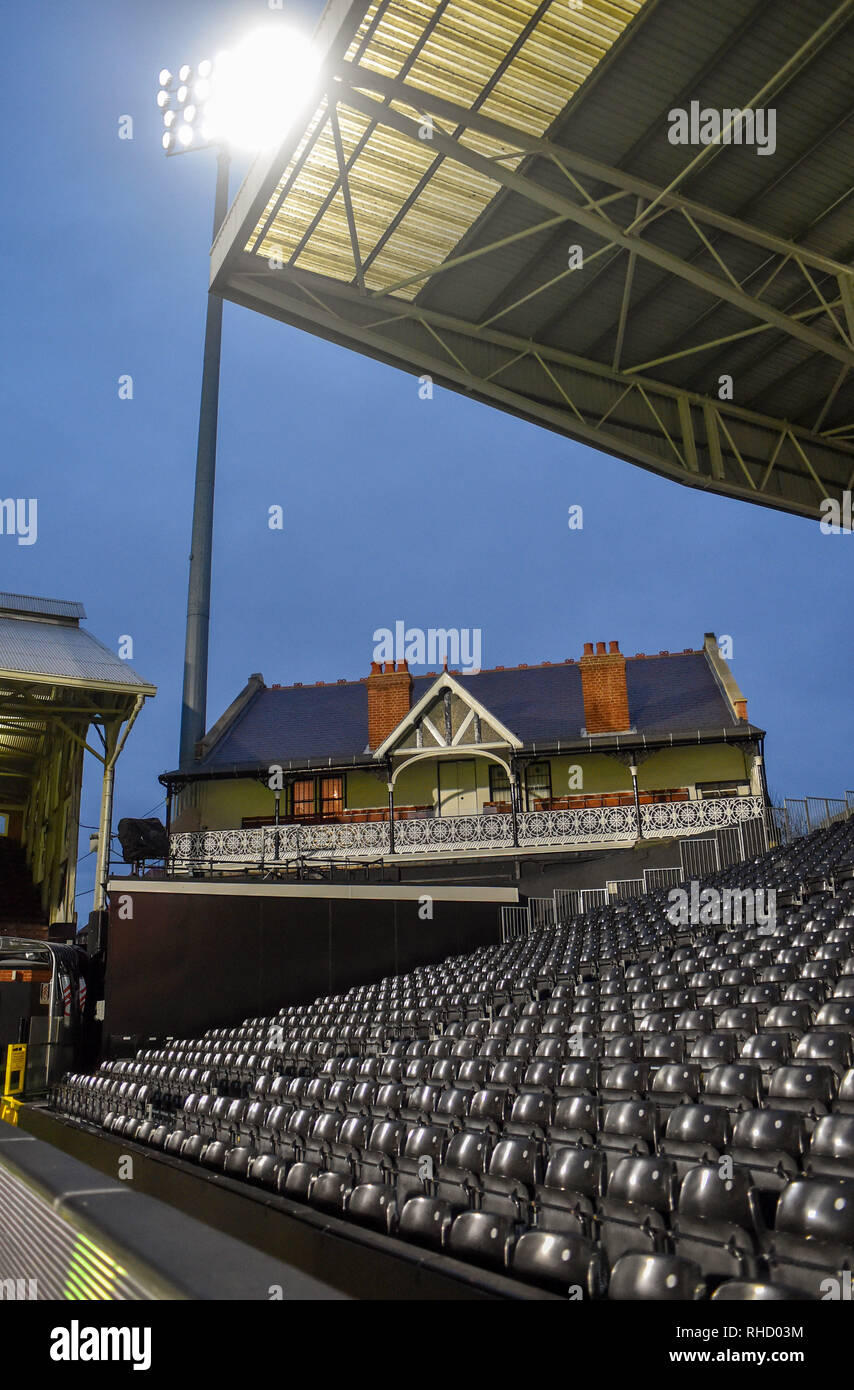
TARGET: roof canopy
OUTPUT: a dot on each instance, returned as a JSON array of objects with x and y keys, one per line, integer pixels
[
  {"x": 425, "y": 208},
  {"x": 56, "y": 682}
]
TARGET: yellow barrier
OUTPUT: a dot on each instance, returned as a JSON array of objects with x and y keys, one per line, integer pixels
[
  {"x": 16, "y": 1069},
  {"x": 9, "y": 1108}
]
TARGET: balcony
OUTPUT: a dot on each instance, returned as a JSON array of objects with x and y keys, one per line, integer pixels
[{"x": 590, "y": 827}]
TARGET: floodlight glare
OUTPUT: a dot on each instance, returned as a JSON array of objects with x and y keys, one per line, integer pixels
[
  {"x": 165, "y": 77},
  {"x": 258, "y": 88},
  {"x": 163, "y": 98},
  {"x": 205, "y": 68},
  {"x": 202, "y": 90},
  {"x": 185, "y": 135}
]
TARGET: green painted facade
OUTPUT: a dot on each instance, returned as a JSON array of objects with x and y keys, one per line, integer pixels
[{"x": 222, "y": 805}]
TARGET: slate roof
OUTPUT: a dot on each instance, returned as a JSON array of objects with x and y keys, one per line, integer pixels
[{"x": 671, "y": 694}]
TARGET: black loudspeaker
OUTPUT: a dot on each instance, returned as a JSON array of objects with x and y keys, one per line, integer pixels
[{"x": 142, "y": 839}]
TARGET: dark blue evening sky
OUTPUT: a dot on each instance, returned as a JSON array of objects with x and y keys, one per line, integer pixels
[{"x": 441, "y": 513}]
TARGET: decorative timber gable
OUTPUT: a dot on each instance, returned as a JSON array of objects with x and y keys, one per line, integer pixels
[{"x": 446, "y": 718}]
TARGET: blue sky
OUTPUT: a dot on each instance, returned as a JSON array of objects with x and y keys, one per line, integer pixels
[{"x": 440, "y": 513}]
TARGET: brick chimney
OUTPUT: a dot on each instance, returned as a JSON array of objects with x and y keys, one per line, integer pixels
[
  {"x": 603, "y": 684},
  {"x": 389, "y": 699}
]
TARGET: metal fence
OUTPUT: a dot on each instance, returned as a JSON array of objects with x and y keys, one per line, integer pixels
[
  {"x": 542, "y": 911},
  {"x": 662, "y": 878},
  {"x": 699, "y": 857},
  {"x": 515, "y": 923},
  {"x": 801, "y": 815},
  {"x": 619, "y": 889}
]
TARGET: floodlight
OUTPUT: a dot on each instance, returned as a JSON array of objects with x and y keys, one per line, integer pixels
[
  {"x": 182, "y": 94},
  {"x": 184, "y": 73},
  {"x": 189, "y": 114},
  {"x": 169, "y": 118},
  {"x": 185, "y": 135},
  {"x": 258, "y": 88},
  {"x": 165, "y": 77},
  {"x": 168, "y": 141},
  {"x": 205, "y": 68},
  {"x": 163, "y": 98}
]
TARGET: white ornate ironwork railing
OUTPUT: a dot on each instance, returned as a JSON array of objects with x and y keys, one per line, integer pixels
[
  {"x": 268, "y": 845},
  {"x": 669, "y": 818}
]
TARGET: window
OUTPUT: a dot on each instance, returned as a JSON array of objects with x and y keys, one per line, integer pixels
[
  {"x": 314, "y": 796},
  {"x": 734, "y": 788},
  {"x": 304, "y": 797},
  {"x": 499, "y": 784},
  {"x": 331, "y": 796},
  {"x": 538, "y": 784}
]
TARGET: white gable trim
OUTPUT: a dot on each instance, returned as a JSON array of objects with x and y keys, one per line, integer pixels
[{"x": 444, "y": 682}]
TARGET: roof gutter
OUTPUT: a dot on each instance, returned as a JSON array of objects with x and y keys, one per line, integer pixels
[{"x": 605, "y": 743}]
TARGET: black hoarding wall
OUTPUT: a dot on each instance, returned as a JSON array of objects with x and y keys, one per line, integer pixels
[{"x": 184, "y": 962}]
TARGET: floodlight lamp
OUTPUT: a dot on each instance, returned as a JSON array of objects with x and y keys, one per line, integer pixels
[
  {"x": 163, "y": 98},
  {"x": 169, "y": 118},
  {"x": 205, "y": 68},
  {"x": 168, "y": 141},
  {"x": 189, "y": 114},
  {"x": 184, "y": 73},
  {"x": 165, "y": 77},
  {"x": 183, "y": 93},
  {"x": 258, "y": 88},
  {"x": 185, "y": 135}
]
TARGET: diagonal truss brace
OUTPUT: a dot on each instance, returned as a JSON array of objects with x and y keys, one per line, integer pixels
[{"x": 358, "y": 86}]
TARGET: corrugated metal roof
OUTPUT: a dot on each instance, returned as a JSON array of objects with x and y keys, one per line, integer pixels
[
  {"x": 56, "y": 651},
  {"x": 599, "y": 354},
  {"x": 516, "y": 61},
  {"x": 540, "y": 704},
  {"x": 48, "y": 607}
]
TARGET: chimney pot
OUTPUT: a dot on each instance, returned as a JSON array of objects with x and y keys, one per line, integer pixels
[
  {"x": 588, "y": 648},
  {"x": 613, "y": 646},
  {"x": 600, "y": 648},
  {"x": 376, "y": 668}
]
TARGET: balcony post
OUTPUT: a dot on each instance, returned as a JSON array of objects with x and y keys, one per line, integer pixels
[
  {"x": 633, "y": 769},
  {"x": 514, "y": 802},
  {"x": 390, "y": 808}
]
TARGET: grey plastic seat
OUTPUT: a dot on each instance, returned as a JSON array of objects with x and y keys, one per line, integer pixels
[
  {"x": 374, "y": 1205},
  {"x": 483, "y": 1238},
  {"x": 695, "y": 1133},
  {"x": 719, "y": 1223},
  {"x": 426, "y": 1221},
  {"x": 747, "y": 1291},
  {"x": 831, "y": 1150},
  {"x": 656, "y": 1277},
  {"x": 565, "y": 1264},
  {"x": 769, "y": 1143},
  {"x": 813, "y": 1237}
]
